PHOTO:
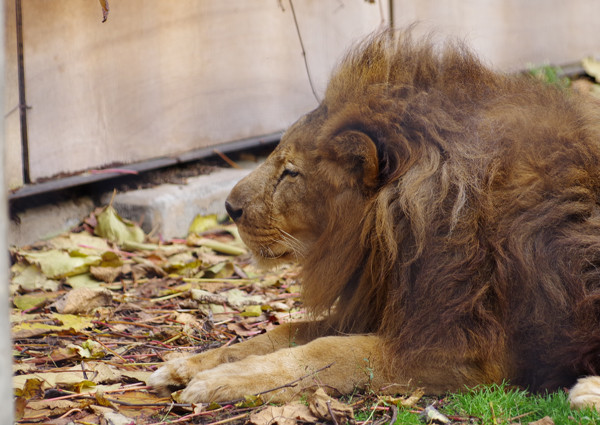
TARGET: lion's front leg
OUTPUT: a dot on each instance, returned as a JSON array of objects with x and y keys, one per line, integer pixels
[
  {"x": 337, "y": 363},
  {"x": 179, "y": 372}
]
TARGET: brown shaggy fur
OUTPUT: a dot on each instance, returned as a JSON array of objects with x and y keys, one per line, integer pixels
[
  {"x": 481, "y": 237},
  {"x": 449, "y": 212}
]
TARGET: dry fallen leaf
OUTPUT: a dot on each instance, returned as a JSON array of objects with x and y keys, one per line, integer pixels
[
  {"x": 592, "y": 68},
  {"x": 83, "y": 300},
  {"x": 56, "y": 264},
  {"x": 202, "y": 223},
  {"x": 114, "y": 228},
  {"x": 31, "y": 278},
  {"x": 94, "y": 360},
  {"x": 546, "y": 420},
  {"x": 323, "y": 406},
  {"x": 409, "y": 401},
  {"x": 288, "y": 414}
]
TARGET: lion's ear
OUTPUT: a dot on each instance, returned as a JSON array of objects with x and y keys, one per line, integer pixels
[{"x": 358, "y": 151}]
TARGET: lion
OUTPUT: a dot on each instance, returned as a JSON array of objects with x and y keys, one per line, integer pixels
[{"x": 447, "y": 221}]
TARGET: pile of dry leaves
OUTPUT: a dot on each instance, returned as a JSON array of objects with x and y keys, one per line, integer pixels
[{"x": 96, "y": 310}]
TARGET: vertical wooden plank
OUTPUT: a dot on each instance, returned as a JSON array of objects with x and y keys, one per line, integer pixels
[{"x": 12, "y": 132}]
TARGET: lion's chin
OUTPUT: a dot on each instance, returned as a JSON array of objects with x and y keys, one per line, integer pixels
[{"x": 269, "y": 259}]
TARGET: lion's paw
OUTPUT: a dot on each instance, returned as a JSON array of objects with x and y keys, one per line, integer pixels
[
  {"x": 201, "y": 390},
  {"x": 586, "y": 393},
  {"x": 174, "y": 373}
]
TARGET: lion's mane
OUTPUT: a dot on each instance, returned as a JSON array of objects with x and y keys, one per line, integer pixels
[{"x": 483, "y": 238}]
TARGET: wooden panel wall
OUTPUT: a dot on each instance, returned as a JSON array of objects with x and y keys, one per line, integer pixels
[
  {"x": 511, "y": 34},
  {"x": 165, "y": 77}
]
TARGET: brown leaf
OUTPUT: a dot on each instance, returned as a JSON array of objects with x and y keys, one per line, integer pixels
[
  {"x": 105, "y": 274},
  {"x": 324, "y": 407},
  {"x": 31, "y": 389},
  {"x": 146, "y": 270},
  {"x": 288, "y": 414},
  {"x": 44, "y": 408},
  {"x": 83, "y": 300},
  {"x": 409, "y": 401},
  {"x": 546, "y": 420}
]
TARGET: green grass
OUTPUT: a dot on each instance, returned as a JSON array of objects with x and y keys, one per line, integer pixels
[
  {"x": 501, "y": 404},
  {"x": 550, "y": 74},
  {"x": 495, "y": 405}
]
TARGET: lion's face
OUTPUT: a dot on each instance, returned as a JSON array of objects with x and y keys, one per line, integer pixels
[{"x": 308, "y": 183}]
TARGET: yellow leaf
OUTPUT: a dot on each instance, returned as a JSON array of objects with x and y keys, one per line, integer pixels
[
  {"x": 29, "y": 301},
  {"x": 57, "y": 264},
  {"x": 69, "y": 321},
  {"x": 203, "y": 223},
  {"x": 592, "y": 68},
  {"x": 84, "y": 280},
  {"x": 80, "y": 244},
  {"x": 31, "y": 278},
  {"x": 217, "y": 246},
  {"x": 252, "y": 311},
  {"x": 111, "y": 259},
  {"x": 250, "y": 401},
  {"x": 112, "y": 227},
  {"x": 220, "y": 270}
]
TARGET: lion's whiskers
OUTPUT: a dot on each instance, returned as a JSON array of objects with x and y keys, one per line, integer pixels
[{"x": 293, "y": 243}]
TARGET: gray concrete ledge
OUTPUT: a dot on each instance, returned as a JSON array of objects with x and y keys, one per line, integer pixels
[{"x": 168, "y": 210}]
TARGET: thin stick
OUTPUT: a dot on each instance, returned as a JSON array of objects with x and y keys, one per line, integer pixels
[
  {"x": 394, "y": 414},
  {"x": 226, "y": 159},
  {"x": 233, "y": 418},
  {"x": 312, "y": 87},
  {"x": 328, "y": 403}
]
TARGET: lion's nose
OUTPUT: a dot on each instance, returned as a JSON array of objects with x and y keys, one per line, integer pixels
[{"x": 234, "y": 213}]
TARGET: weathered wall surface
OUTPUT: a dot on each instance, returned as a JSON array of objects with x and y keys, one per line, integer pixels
[
  {"x": 161, "y": 78},
  {"x": 510, "y": 34}
]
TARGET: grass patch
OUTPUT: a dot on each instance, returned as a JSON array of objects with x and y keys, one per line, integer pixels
[
  {"x": 502, "y": 404},
  {"x": 493, "y": 405}
]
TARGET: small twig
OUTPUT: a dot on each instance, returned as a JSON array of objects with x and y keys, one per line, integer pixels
[
  {"x": 186, "y": 418},
  {"x": 515, "y": 418},
  {"x": 226, "y": 159},
  {"x": 312, "y": 87},
  {"x": 328, "y": 403},
  {"x": 233, "y": 418},
  {"x": 83, "y": 370},
  {"x": 394, "y": 414},
  {"x": 112, "y": 198},
  {"x": 67, "y": 414},
  {"x": 114, "y": 353},
  {"x": 124, "y": 322}
]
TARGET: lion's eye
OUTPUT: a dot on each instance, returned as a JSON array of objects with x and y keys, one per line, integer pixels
[{"x": 291, "y": 173}]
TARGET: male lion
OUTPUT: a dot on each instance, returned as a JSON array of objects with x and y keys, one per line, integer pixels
[{"x": 447, "y": 218}]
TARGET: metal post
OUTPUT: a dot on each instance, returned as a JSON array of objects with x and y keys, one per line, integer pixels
[{"x": 6, "y": 390}]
